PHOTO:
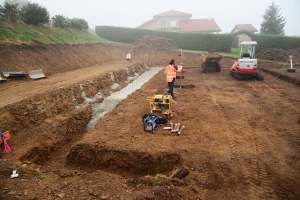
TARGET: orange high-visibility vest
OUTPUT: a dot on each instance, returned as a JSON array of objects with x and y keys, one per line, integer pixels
[
  {"x": 170, "y": 72},
  {"x": 234, "y": 66}
]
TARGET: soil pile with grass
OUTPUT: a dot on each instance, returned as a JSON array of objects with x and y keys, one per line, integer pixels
[{"x": 280, "y": 55}]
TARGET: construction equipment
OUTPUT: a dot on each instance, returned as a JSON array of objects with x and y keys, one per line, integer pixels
[
  {"x": 291, "y": 69},
  {"x": 247, "y": 63},
  {"x": 160, "y": 102},
  {"x": 2, "y": 79},
  {"x": 152, "y": 122},
  {"x": 167, "y": 114},
  {"x": 36, "y": 74},
  {"x": 14, "y": 74},
  {"x": 211, "y": 59}
]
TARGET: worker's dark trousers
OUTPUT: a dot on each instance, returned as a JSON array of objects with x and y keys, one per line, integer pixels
[{"x": 171, "y": 87}]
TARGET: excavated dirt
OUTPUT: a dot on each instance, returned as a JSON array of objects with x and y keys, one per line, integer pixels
[
  {"x": 280, "y": 55},
  {"x": 241, "y": 141}
]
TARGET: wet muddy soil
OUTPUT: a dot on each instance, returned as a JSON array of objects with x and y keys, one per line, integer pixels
[{"x": 241, "y": 138}]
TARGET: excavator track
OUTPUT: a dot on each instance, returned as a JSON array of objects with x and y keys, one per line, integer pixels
[
  {"x": 239, "y": 77},
  {"x": 236, "y": 75}
]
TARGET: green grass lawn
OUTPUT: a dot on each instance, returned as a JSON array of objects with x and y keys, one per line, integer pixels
[
  {"x": 26, "y": 34},
  {"x": 234, "y": 53}
]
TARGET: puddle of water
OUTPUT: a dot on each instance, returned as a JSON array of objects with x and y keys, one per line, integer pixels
[
  {"x": 109, "y": 103},
  {"x": 114, "y": 86}
]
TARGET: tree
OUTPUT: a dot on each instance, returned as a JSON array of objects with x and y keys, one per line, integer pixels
[
  {"x": 273, "y": 23},
  {"x": 34, "y": 14},
  {"x": 20, "y": 3},
  {"x": 79, "y": 24},
  {"x": 9, "y": 11},
  {"x": 60, "y": 21}
]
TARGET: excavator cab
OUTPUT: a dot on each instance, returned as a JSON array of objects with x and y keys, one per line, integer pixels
[{"x": 247, "y": 63}]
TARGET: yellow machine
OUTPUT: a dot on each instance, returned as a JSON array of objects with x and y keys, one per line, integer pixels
[{"x": 160, "y": 102}]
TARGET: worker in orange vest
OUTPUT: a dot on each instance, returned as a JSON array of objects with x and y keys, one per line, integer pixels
[
  {"x": 234, "y": 66},
  {"x": 170, "y": 72}
]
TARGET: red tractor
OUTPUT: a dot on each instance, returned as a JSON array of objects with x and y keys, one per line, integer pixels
[{"x": 246, "y": 66}]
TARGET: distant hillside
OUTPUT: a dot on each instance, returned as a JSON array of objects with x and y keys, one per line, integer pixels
[{"x": 27, "y": 34}]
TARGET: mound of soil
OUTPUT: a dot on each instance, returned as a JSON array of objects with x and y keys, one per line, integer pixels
[
  {"x": 156, "y": 41},
  {"x": 280, "y": 55}
]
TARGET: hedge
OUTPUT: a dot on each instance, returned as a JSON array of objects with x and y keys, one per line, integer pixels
[{"x": 198, "y": 41}]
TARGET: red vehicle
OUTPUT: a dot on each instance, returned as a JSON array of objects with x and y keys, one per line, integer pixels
[{"x": 211, "y": 60}]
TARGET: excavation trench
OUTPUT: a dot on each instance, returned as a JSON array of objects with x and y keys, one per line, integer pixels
[
  {"x": 120, "y": 161},
  {"x": 88, "y": 109}
]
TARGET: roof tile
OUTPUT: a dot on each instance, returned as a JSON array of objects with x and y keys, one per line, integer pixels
[{"x": 172, "y": 13}]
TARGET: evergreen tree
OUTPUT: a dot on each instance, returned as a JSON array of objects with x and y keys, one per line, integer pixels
[{"x": 273, "y": 23}]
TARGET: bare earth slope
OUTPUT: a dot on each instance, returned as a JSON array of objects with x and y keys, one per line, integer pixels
[{"x": 241, "y": 141}]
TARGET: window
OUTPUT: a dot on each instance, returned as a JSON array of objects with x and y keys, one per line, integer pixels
[
  {"x": 163, "y": 24},
  {"x": 173, "y": 24}
]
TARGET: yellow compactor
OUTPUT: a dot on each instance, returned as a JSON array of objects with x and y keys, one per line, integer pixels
[{"x": 160, "y": 102}]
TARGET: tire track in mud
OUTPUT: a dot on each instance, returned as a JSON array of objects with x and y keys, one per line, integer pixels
[
  {"x": 253, "y": 171},
  {"x": 258, "y": 171},
  {"x": 259, "y": 174},
  {"x": 232, "y": 141}
]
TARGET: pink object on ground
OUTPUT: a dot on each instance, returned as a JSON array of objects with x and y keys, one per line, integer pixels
[{"x": 6, "y": 147}]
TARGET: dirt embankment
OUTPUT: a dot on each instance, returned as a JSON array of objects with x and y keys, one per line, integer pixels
[
  {"x": 279, "y": 55},
  {"x": 232, "y": 148}
]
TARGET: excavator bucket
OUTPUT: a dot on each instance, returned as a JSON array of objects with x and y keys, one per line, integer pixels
[
  {"x": 2, "y": 79},
  {"x": 36, "y": 74}
]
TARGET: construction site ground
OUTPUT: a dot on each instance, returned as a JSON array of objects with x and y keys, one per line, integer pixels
[{"x": 241, "y": 141}]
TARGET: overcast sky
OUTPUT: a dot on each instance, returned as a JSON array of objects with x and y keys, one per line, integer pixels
[{"x": 133, "y": 13}]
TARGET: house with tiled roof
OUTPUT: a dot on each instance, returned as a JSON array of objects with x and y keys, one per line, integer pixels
[
  {"x": 242, "y": 37},
  {"x": 247, "y": 27},
  {"x": 180, "y": 22}
]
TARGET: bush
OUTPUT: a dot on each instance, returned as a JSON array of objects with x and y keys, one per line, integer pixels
[
  {"x": 9, "y": 12},
  {"x": 79, "y": 24},
  {"x": 34, "y": 14},
  {"x": 60, "y": 21}
]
